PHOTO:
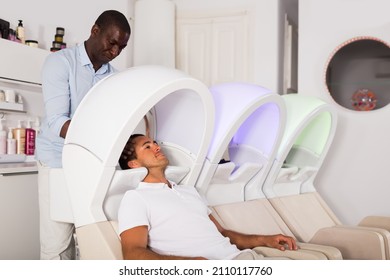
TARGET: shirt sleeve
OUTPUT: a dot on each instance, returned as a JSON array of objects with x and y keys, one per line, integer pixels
[
  {"x": 56, "y": 91},
  {"x": 132, "y": 212}
]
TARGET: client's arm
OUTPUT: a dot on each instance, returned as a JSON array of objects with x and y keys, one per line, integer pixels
[
  {"x": 134, "y": 246},
  {"x": 249, "y": 241}
]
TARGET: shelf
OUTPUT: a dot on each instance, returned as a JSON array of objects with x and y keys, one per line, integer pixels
[
  {"x": 11, "y": 107},
  {"x": 361, "y": 83},
  {"x": 12, "y": 158},
  {"x": 17, "y": 60},
  {"x": 13, "y": 82},
  {"x": 18, "y": 167}
]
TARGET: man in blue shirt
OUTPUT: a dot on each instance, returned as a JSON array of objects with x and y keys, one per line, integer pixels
[{"x": 67, "y": 76}]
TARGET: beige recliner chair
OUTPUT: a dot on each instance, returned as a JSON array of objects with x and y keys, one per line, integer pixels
[
  {"x": 290, "y": 187},
  {"x": 250, "y": 122},
  {"x": 258, "y": 216}
]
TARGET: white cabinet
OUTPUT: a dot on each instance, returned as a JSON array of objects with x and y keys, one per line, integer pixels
[{"x": 19, "y": 216}]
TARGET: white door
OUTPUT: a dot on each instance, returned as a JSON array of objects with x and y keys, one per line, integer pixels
[{"x": 213, "y": 49}]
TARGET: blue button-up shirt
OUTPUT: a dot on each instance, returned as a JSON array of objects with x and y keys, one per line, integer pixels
[{"x": 67, "y": 76}]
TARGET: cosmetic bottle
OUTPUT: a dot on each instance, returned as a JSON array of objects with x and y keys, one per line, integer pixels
[
  {"x": 19, "y": 134},
  {"x": 3, "y": 139},
  {"x": 11, "y": 143},
  {"x": 20, "y": 32},
  {"x": 30, "y": 140},
  {"x": 36, "y": 126},
  {"x": 2, "y": 95},
  {"x": 12, "y": 35}
]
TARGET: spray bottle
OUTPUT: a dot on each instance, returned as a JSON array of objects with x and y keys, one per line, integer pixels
[{"x": 11, "y": 143}]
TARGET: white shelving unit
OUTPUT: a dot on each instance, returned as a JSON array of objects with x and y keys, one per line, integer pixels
[{"x": 19, "y": 209}]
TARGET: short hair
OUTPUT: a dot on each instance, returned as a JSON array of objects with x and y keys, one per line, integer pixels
[
  {"x": 128, "y": 152},
  {"x": 113, "y": 17}
]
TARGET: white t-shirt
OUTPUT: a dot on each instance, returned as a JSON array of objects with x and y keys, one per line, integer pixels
[{"x": 177, "y": 219}]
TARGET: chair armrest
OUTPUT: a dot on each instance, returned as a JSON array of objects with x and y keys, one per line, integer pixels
[
  {"x": 332, "y": 253},
  {"x": 386, "y": 237},
  {"x": 355, "y": 243},
  {"x": 300, "y": 254},
  {"x": 376, "y": 221}
]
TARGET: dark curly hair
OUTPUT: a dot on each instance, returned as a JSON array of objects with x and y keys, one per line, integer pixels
[{"x": 128, "y": 152}]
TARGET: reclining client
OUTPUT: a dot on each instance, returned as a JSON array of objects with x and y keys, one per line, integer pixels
[{"x": 162, "y": 220}]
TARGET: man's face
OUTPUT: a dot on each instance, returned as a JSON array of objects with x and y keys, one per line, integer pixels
[
  {"x": 148, "y": 153},
  {"x": 108, "y": 43}
]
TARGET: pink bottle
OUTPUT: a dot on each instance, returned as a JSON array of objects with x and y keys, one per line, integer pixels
[{"x": 30, "y": 140}]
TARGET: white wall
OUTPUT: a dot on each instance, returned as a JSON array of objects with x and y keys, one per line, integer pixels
[
  {"x": 42, "y": 17},
  {"x": 354, "y": 179}
]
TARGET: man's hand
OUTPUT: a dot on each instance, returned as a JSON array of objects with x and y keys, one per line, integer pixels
[
  {"x": 281, "y": 242},
  {"x": 64, "y": 129}
]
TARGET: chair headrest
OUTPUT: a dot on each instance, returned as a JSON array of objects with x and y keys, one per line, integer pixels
[
  {"x": 128, "y": 179},
  {"x": 125, "y": 180},
  {"x": 225, "y": 172}
]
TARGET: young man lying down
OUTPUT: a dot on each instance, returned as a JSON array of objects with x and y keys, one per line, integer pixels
[{"x": 163, "y": 220}]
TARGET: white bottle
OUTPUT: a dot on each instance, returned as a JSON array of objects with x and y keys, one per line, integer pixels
[
  {"x": 20, "y": 32},
  {"x": 36, "y": 125},
  {"x": 11, "y": 143},
  {"x": 3, "y": 139}
]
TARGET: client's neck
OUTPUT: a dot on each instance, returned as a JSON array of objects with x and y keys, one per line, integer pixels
[{"x": 156, "y": 175}]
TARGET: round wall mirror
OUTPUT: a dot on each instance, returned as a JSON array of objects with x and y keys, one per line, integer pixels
[{"x": 358, "y": 74}]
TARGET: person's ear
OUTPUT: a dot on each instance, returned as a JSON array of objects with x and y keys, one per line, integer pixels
[
  {"x": 95, "y": 30},
  {"x": 133, "y": 164}
]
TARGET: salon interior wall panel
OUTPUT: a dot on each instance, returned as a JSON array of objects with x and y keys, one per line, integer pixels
[
  {"x": 354, "y": 178},
  {"x": 261, "y": 39},
  {"x": 154, "y": 33},
  {"x": 193, "y": 54},
  {"x": 213, "y": 49}
]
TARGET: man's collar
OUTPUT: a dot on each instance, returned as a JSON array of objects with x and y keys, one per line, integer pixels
[
  {"x": 84, "y": 58},
  {"x": 145, "y": 185}
]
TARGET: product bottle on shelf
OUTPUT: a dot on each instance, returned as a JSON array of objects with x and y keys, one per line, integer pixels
[
  {"x": 12, "y": 35},
  {"x": 20, "y": 32},
  {"x": 19, "y": 134},
  {"x": 36, "y": 126},
  {"x": 11, "y": 143},
  {"x": 3, "y": 139},
  {"x": 30, "y": 140}
]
